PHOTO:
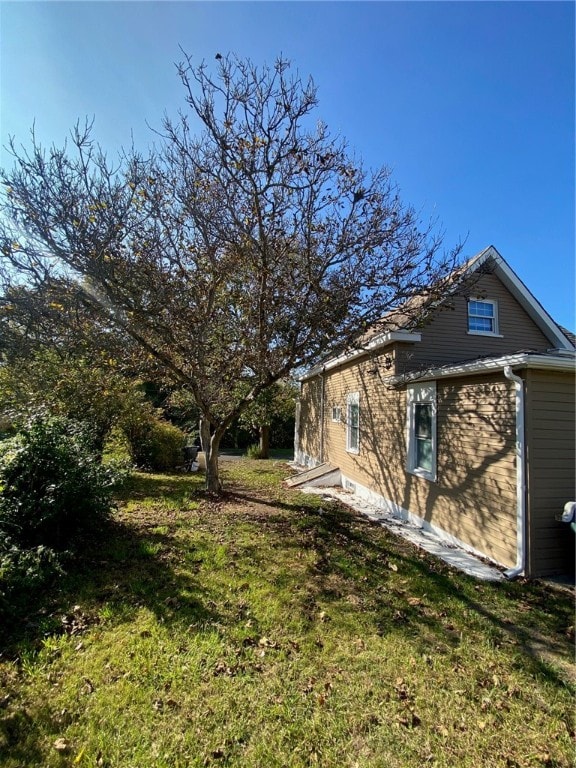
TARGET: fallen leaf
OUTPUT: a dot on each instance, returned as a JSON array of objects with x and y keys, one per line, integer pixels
[
  {"x": 414, "y": 601},
  {"x": 265, "y": 642},
  {"x": 309, "y": 687},
  {"x": 416, "y": 721},
  {"x": 354, "y": 600},
  {"x": 62, "y": 745}
]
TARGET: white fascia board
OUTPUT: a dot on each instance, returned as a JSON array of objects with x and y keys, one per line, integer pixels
[
  {"x": 378, "y": 342},
  {"x": 489, "y": 365},
  {"x": 521, "y": 293},
  {"x": 531, "y": 304}
]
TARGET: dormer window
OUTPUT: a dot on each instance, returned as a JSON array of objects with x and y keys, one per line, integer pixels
[{"x": 483, "y": 317}]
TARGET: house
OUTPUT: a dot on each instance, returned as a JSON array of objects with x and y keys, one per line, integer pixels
[{"x": 464, "y": 424}]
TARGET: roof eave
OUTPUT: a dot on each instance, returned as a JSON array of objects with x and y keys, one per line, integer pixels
[
  {"x": 379, "y": 342},
  {"x": 561, "y": 362}
]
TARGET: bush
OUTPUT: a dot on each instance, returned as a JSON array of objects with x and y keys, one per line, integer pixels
[
  {"x": 23, "y": 571},
  {"x": 52, "y": 484},
  {"x": 254, "y": 452},
  {"x": 155, "y": 444}
]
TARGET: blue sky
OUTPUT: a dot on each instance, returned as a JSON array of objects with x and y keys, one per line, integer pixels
[{"x": 470, "y": 103}]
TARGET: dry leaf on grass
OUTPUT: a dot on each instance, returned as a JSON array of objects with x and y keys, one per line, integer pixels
[{"x": 62, "y": 745}]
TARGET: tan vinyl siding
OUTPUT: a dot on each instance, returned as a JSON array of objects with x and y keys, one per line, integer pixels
[
  {"x": 474, "y": 496},
  {"x": 309, "y": 421},
  {"x": 446, "y": 339},
  {"x": 551, "y": 461}
]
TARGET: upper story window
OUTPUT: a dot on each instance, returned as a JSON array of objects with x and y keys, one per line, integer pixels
[
  {"x": 336, "y": 413},
  {"x": 483, "y": 317}
]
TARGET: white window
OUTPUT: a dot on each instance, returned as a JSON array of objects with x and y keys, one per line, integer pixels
[
  {"x": 482, "y": 317},
  {"x": 421, "y": 429},
  {"x": 336, "y": 413},
  {"x": 353, "y": 423}
]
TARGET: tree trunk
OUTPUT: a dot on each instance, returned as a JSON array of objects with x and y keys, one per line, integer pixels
[
  {"x": 204, "y": 429},
  {"x": 265, "y": 441},
  {"x": 213, "y": 484}
]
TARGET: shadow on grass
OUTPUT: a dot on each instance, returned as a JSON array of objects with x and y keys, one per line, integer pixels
[
  {"x": 415, "y": 594},
  {"x": 408, "y": 592},
  {"x": 136, "y": 561},
  {"x": 120, "y": 567}
]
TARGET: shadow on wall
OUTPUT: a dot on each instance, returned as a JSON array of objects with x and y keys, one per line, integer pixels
[{"x": 474, "y": 496}]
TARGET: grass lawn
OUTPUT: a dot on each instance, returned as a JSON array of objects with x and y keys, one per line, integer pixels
[{"x": 269, "y": 628}]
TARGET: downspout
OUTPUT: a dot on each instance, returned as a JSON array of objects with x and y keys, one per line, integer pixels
[{"x": 520, "y": 566}]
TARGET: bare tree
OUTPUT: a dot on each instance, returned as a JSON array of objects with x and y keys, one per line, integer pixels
[{"x": 251, "y": 243}]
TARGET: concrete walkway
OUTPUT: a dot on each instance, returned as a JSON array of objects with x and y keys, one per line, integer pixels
[{"x": 454, "y": 556}]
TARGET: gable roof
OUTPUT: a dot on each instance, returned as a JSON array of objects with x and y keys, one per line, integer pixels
[
  {"x": 487, "y": 260},
  {"x": 498, "y": 266}
]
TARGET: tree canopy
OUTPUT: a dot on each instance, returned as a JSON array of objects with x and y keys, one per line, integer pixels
[{"x": 249, "y": 243}]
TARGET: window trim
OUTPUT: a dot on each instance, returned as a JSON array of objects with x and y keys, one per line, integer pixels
[
  {"x": 419, "y": 394},
  {"x": 495, "y": 332},
  {"x": 353, "y": 399},
  {"x": 336, "y": 414}
]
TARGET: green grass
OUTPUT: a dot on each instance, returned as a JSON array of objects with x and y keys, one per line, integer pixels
[{"x": 269, "y": 628}]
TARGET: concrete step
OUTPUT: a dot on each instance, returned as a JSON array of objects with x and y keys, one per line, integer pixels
[{"x": 323, "y": 474}]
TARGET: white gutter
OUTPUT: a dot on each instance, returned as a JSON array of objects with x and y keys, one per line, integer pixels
[
  {"x": 563, "y": 360},
  {"x": 520, "y": 566}
]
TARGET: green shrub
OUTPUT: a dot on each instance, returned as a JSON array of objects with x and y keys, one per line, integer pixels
[
  {"x": 155, "y": 444},
  {"x": 52, "y": 484},
  {"x": 23, "y": 571},
  {"x": 254, "y": 451}
]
